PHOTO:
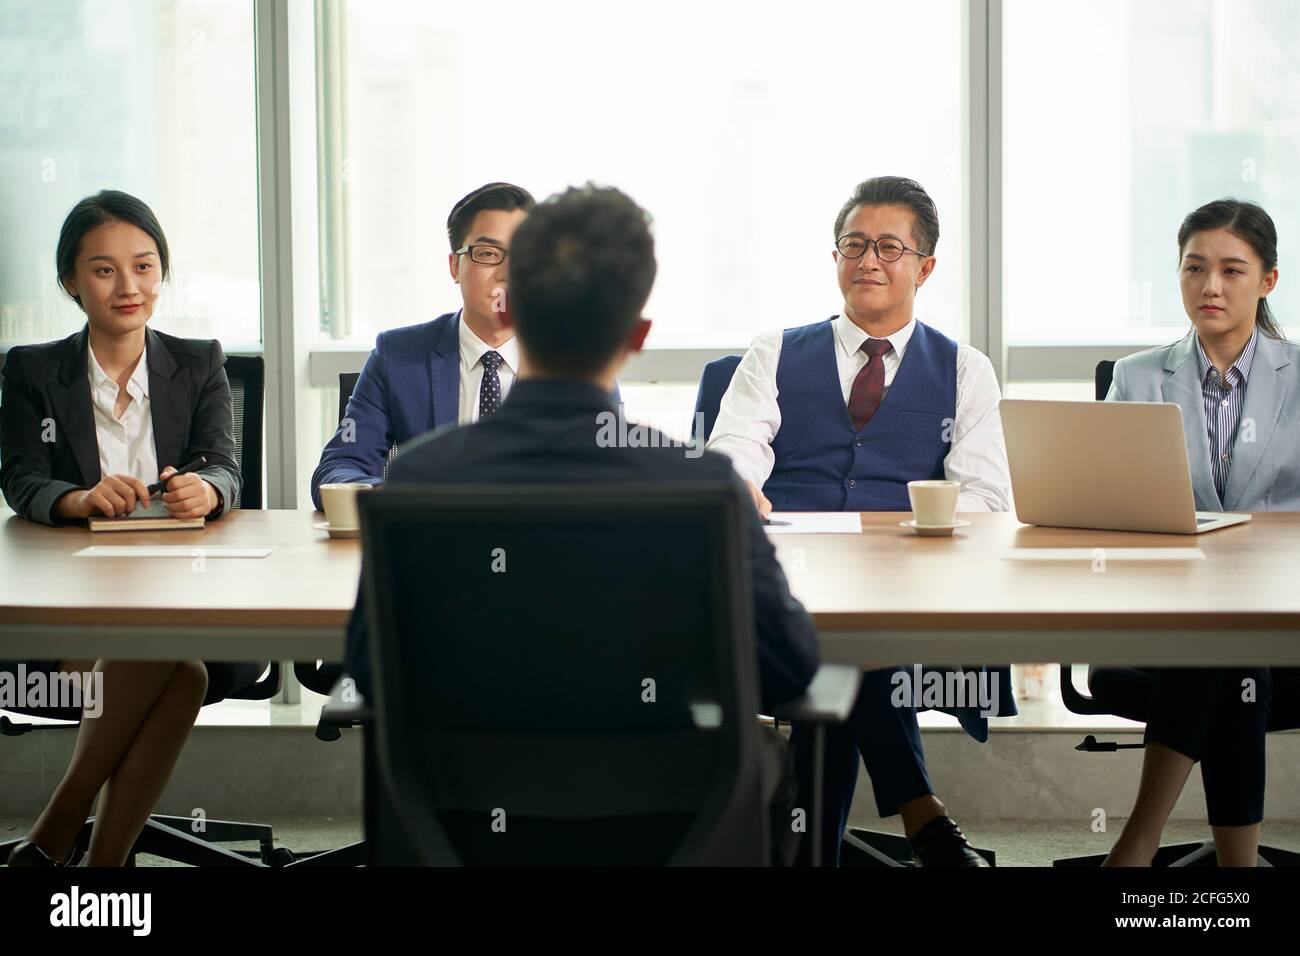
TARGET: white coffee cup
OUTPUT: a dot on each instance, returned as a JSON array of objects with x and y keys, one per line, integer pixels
[
  {"x": 933, "y": 502},
  {"x": 340, "y": 502}
]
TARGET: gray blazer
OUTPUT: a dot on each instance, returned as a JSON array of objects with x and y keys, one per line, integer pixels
[{"x": 1265, "y": 472}]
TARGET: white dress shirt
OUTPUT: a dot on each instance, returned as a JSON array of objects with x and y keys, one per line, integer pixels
[
  {"x": 750, "y": 416},
  {"x": 471, "y": 369},
  {"x": 125, "y": 444}
]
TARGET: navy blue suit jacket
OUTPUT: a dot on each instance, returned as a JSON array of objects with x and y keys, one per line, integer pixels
[
  {"x": 545, "y": 432},
  {"x": 409, "y": 385}
]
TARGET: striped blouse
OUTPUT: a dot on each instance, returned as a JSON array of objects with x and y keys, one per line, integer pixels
[{"x": 1224, "y": 396}]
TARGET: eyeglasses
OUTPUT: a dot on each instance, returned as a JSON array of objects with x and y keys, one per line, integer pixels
[
  {"x": 887, "y": 250},
  {"x": 484, "y": 255}
]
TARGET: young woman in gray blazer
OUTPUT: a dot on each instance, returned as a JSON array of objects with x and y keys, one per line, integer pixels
[{"x": 1237, "y": 380}]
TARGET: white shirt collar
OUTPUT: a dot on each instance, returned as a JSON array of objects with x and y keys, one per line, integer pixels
[
  {"x": 137, "y": 385},
  {"x": 850, "y": 337},
  {"x": 472, "y": 347}
]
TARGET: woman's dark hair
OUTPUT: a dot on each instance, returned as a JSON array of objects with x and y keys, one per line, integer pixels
[
  {"x": 499, "y": 197},
  {"x": 107, "y": 205},
  {"x": 897, "y": 191},
  {"x": 581, "y": 268},
  {"x": 1249, "y": 223}
]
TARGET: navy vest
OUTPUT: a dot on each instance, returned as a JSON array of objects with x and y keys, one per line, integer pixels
[{"x": 822, "y": 462}]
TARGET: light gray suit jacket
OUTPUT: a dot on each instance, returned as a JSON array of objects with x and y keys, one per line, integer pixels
[{"x": 1265, "y": 470}]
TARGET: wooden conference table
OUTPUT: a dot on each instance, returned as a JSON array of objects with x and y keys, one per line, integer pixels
[{"x": 884, "y": 596}]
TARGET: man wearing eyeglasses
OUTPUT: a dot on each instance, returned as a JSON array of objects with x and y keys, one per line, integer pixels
[
  {"x": 805, "y": 421},
  {"x": 457, "y": 368},
  {"x": 807, "y": 425}
]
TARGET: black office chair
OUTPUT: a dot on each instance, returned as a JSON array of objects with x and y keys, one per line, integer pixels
[
  {"x": 320, "y": 676},
  {"x": 714, "y": 382},
  {"x": 347, "y": 384},
  {"x": 1102, "y": 378},
  {"x": 1126, "y": 692},
  {"x": 247, "y": 375},
  {"x": 600, "y": 711}
]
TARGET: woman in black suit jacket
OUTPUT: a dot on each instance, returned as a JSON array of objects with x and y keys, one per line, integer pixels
[{"x": 85, "y": 424}]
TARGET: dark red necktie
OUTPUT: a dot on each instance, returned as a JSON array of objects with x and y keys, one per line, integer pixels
[{"x": 869, "y": 385}]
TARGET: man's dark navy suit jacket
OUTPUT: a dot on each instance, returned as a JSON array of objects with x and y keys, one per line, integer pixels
[{"x": 546, "y": 432}]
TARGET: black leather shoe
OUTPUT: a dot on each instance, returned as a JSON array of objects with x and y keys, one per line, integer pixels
[
  {"x": 28, "y": 853},
  {"x": 941, "y": 843}
]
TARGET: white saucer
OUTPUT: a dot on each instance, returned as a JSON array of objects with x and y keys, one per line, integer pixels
[
  {"x": 933, "y": 530},
  {"x": 337, "y": 532}
]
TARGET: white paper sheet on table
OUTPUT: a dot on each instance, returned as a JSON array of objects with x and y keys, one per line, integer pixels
[
  {"x": 170, "y": 551},
  {"x": 815, "y": 522},
  {"x": 1108, "y": 554}
]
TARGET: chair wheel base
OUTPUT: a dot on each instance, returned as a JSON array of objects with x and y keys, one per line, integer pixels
[{"x": 1190, "y": 854}]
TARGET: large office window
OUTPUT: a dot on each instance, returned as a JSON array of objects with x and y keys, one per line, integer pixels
[
  {"x": 154, "y": 97},
  {"x": 740, "y": 127},
  {"x": 1120, "y": 118}
]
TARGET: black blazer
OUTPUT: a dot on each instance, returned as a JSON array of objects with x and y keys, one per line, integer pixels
[
  {"x": 545, "y": 432},
  {"x": 189, "y": 401}
]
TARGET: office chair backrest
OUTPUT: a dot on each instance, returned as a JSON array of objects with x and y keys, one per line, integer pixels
[
  {"x": 713, "y": 385},
  {"x": 1074, "y": 701},
  {"x": 347, "y": 385},
  {"x": 319, "y": 677},
  {"x": 247, "y": 375},
  {"x": 573, "y": 664},
  {"x": 1102, "y": 378}
]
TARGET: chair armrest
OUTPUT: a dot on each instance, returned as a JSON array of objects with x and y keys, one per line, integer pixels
[
  {"x": 828, "y": 699},
  {"x": 1075, "y": 701},
  {"x": 342, "y": 712},
  {"x": 264, "y": 688}
]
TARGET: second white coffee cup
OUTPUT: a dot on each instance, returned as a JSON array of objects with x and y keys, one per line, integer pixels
[
  {"x": 933, "y": 502},
  {"x": 340, "y": 503}
]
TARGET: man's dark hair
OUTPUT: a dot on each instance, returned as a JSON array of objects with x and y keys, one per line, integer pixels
[
  {"x": 107, "y": 205},
  {"x": 897, "y": 191},
  {"x": 499, "y": 197},
  {"x": 581, "y": 268}
]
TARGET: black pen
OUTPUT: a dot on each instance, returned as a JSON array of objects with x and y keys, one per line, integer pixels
[
  {"x": 772, "y": 521},
  {"x": 160, "y": 484}
]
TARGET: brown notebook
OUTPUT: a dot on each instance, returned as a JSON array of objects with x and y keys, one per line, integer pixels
[
  {"x": 153, "y": 518},
  {"x": 145, "y": 524}
]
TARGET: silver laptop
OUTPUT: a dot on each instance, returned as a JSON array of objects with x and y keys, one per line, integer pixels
[{"x": 1113, "y": 466}]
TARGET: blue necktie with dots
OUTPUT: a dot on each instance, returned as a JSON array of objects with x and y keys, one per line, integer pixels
[{"x": 489, "y": 390}]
